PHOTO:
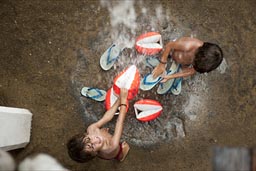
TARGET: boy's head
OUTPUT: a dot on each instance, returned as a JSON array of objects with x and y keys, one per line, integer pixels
[
  {"x": 77, "y": 148},
  {"x": 207, "y": 58}
]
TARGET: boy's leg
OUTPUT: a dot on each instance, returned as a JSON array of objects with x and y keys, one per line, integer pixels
[{"x": 125, "y": 148}]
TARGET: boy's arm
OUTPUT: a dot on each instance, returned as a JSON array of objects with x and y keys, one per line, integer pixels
[
  {"x": 177, "y": 45},
  {"x": 107, "y": 116},
  {"x": 120, "y": 120},
  {"x": 160, "y": 68},
  {"x": 167, "y": 51},
  {"x": 184, "y": 73}
]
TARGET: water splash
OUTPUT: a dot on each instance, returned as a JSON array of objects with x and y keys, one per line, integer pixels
[
  {"x": 123, "y": 21},
  {"x": 223, "y": 66},
  {"x": 196, "y": 98},
  {"x": 191, "y": 108}
]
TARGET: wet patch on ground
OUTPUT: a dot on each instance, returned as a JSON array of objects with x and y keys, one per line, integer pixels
[{"x": 177, "y": 110}]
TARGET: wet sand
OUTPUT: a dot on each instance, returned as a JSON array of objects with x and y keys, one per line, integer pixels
[{"x": 51, "y": 49}]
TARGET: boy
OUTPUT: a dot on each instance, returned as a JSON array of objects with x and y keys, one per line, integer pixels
[
  {"x": 193, "y": 55},
  {"x": 97, "y": 141}
]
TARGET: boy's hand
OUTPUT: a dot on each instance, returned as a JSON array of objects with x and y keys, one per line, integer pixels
[
  {"x": 123, "y": 95},
  {"x": 164, "y": 79},
  {"x": 159, "y": 69}
]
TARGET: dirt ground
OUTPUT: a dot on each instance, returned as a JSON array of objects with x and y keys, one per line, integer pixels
[{"x": 51, "y": 49}]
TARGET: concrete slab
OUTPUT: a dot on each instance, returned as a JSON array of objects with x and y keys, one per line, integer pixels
[{"x": 15, "y": 127}]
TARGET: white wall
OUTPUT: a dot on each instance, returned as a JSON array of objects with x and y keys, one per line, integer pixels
[{"x": 15, "y": 127}]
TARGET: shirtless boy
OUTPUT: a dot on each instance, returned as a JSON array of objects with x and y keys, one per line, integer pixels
[
  {"x": 193, "y": 55},
  {"x": 97, "y": 141}
]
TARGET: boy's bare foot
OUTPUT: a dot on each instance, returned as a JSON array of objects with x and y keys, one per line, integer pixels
[{"x": 126, "y": 149}]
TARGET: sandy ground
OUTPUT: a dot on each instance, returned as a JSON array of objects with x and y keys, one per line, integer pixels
[{"x": 51, "y": 49}]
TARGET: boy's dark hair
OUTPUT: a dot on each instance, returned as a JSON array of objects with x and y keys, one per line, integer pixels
[
  {"x": 76, "y": 149},
  {"x": 207, "y": 58}
]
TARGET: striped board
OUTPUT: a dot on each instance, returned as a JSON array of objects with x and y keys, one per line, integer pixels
[
  {"x": 149, "y": 43},
  {"x": 130, "y": 79},
  {"x": 147, "y": 109}
]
